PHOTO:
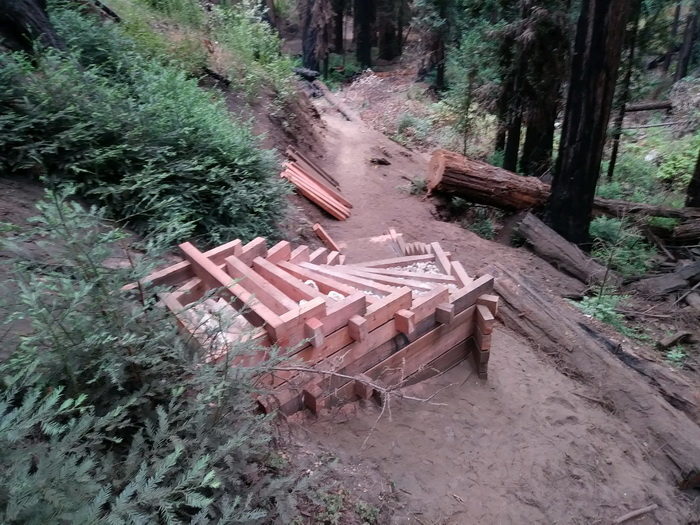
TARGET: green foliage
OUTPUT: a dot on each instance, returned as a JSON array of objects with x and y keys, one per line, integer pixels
[
  {"x": 412, "y": 129},
  {"x": 185, "y": 11},
  {"x": 341, "y": 69},
  {"x": 603, "y": 307},
  {"x": 676, "y": 355},
  {"x": 332, "y": 505},
  {"x": 105, "y": 415},
  {"x": 137, "y": 136},
  {"x": 368, "y": 514},
  {"x": 620, "y": 245}
]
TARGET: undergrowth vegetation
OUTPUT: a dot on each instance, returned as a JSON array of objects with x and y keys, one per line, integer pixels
[
  {"x": 137, "y": 136},
  {"x": 105, "y": 415}
]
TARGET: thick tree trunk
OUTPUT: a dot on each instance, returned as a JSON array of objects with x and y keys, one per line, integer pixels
[
  {"x": 386, "y": 28},
  {"x": 596, "y": 57},
  {"x": 514, "y": 128},
  {"x": 338, "y": 26},
  {"x": 674, "y": 32},
  {"x": 400, "y": 26},
  {"x": 563, "y": 255},
  {"x": 693, "y": 194},
  {"x": 309, "y": 36},
  {"x": 649, "y": 106},
  {"x": 687, "y": 47},
  {"x": 625, "y": 93},
  {"x": 480, "y": 182},
  {"x": 536, "y": 159},
  {"x": 364, "y": 15},
  {"x": 22, "y": 22}
]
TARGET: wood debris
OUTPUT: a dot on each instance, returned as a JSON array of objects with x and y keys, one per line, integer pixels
[{"x": 392, "y": 321}]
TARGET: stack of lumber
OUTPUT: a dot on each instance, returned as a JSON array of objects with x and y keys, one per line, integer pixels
[
  {"x": 391, "y": 322},
  {"x": 316, "y": 185}
]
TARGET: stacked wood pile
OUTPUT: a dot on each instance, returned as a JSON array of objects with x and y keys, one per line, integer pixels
[
  {"x": 315, "y": 184},
  {"x": 385, "y": 322}
]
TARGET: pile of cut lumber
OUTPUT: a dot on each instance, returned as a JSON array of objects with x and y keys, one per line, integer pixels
[
  {"x": 387, "y": 322},
  {"x": 315, "y": 184}
]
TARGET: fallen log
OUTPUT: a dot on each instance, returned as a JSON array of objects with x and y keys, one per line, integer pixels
[
  {"x": 686, "y": 233},
  {"x": 652, "y": 400},
  {"x": 480, "y": 182},
  {"x": 648, "y": 106},
  {"x": 562, "y": 254}
]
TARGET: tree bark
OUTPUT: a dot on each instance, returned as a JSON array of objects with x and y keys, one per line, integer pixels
[
  {"x": 625, "y": 93},
  {"x": 480, "y": 182},
  {"x": 338, "y": 26},
  {"x": 596, "y": 58},
  {"x": 687, "y": 47},
  {"x": 674, "y": 33},
  {"x": 309, "y": 36},
  {"x": 649, "y": 106},
  {"x": 693, "y": 193},
  {"x": 364, "y": 15},
  {"x": 386, "y": 29},
  {"x": 563, "y": 255},
  {"x": 22, "y": 22}
]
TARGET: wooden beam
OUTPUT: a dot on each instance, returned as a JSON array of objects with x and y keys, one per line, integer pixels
[
  {"x": 265, "y": 291},
  {"x": 441, "y": 259},
  {"x": 279, "y": 252},
  {"x": 356, "y": 282},
  {"x": 460, "y": 273},
  {"x": 396, "y": 261},
  {"x": 424, "y": 305},
  {"x": 324, "y": 283},
  {"x": 290, "y": 285},
  {"x": 388, "y": 279},
  {"x": 255, "y": 248},
  {"x": 427, "y": 277},
  {"x": 318, "y": 255},
  {"x": 490, "y": 301},
  {"x": 484, "y": 319},
  {"x": 466, "y": 297},
  {"x": 253, "y": 310},
  {"x": 357, "y": 325},
  {"x": 405, "y": 321},
  {"x": 325, "y": 237},
  {"x": 445, "y": 313},
  {"x": 333, "y": 258},
  {"x": 313, "y": 330}
]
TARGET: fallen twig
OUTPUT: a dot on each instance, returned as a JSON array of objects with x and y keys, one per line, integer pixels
[
  {"x": 635, "y": 513},
  {"x": 686, "y": 294}
]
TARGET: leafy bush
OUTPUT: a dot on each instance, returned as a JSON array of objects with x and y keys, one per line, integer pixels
[
  {"x": 621, "y": 245},
  {"x": 418, "y": 185},
  {"x": 138, "y": 136},
  {"x": 603, "y": 307},
  {"x": 105, "y": 415}
]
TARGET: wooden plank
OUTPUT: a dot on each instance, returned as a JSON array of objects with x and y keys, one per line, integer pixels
[
  {"x": 484, "y": 319},
  {"x": 388, "y": 279},
  {"x": 406, "y": 361},
  {"x": 343, "y": 277},
  {"x": 316, "y": 194},
  {"x": 443, "y": 363},
  {"x": 357, "y": 326},
  {"x": 325, "y": 237},
  {"x": 490, "y": 301},
  {"x": 318, "y": 255},
  {"x": 441, "y": 259},
  {"x": 427, "y": 277},
  {"x": 255, "y": 248},
  {"x": 386, "y": 307},
  {"x": 181, "y": 271},
  {"x": 325, "y": 284},
  {"x": 341, "y": 259},
  {"x": 313, "y": 330},
  {"x": 303, "y": 160},
  {"x": 339, "y": 313},
  {"x": 267, "y": 293},
  {"x": 445, "y": 313},
  {"x": 460, "y": 273},
  {"x": 330, "y": 190},
  {"x": 466, "y": 297},
  {"x": 252, "y": 309},
  {"x": 279, "y": 252},
  {"x": 303, "y": 312},
  {"x": 398, "y": 240},
  {"x": 290, "y": 285},
  {"x": 425, "y": 305},
  {"x": 332, "y": 258},
  {"x": 299, "y": 254},
  {"x": 395, "y": 261},
  {"x": 405, "y": 321}
]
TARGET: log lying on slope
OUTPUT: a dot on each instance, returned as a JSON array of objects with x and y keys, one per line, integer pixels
[
  {"x": 483, "y": 183},
  {"x": 625, "y": 383},
  {"x": 562, "y": 254}
]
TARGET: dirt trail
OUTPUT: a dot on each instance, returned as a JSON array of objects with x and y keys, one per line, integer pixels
[{"x": 524, "y": 447}]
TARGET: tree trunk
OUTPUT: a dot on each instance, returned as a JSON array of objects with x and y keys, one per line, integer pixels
[
  {"x": 364, "y": 14},
  {"x": 338, "y": 26},
  {"x": 674, "y": 33},
  {"x": 386, "y": 29},
  {"x": 625, "y": 93},
  {"x": 687, "y": 47},
  {"x": 22, "y": 22},
  {"x": 693, "y": 193},
  {"x": 510, "y": 154},
  {"x": 309, "y": 36},
  {"x": 539, "y": 138},
  {"x": 563, "y": 255},
  {"x": 400, "y": 25},
  {"x": 480, "y": 182},
  {"x": 649, "y": 106},
  {"x": 596, "y": 57}
]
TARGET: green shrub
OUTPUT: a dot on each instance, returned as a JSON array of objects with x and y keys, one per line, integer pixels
[
  {"x": 676, "y": 355},
  {"x": 137, "y": 136},
  {"x": 604, "y": 308},
  {"x": 105, "y": 415},
  {"x": 620, "y": 244},
  {"x": 418, "y": 185}
]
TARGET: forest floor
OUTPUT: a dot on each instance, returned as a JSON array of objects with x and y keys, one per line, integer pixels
[{"x": 527, "y": 446}]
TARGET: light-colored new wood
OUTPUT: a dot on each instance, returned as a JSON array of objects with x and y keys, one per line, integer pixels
[
  {"x": 357, "y": 326},
  {"x": 405, "y": 321},
  {"x": 343, "y": 277},
  {"x": 417, "y": 276},
  {"x": 395, "y": 261},
  {"x": 388, "y": 279},
  {"x": 325, "y": 283},
  {"x": 290, "y": 285},
  {"x": 265, "y": 291},
  {"x": 484, "y": 319},
  {"x": 313, "y": 330},
  {"x": 490, "y": 301},
  {"x": 318, "y": 256},
  {"x": 461, "y": 274},
  {"x": 441, "y": 259},
  {"x": 299, "y": 254},
  {"x": 279, "y": 252},
  {"x": 445, "y": 313},
  {"x": 325, "y": 238},
  {"x": 333, "y": 258}
]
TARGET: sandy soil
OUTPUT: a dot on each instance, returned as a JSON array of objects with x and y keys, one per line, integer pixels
[{"x": 525, "y": 447}]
